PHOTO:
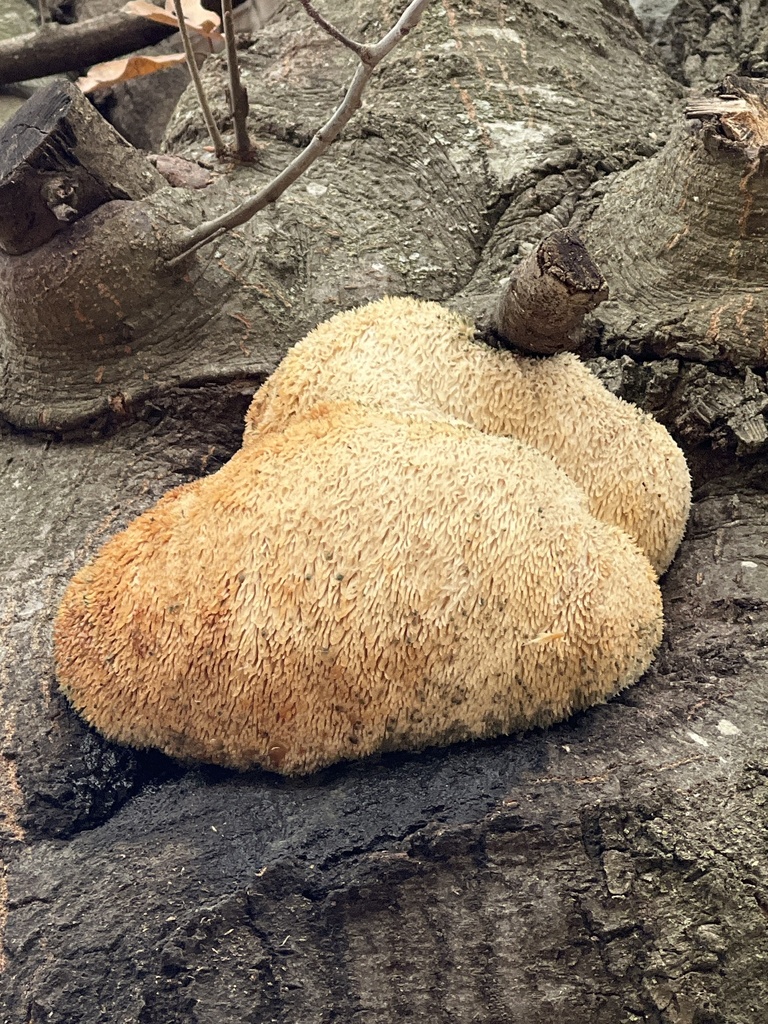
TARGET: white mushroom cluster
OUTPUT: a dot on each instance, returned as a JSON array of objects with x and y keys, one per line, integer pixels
[{"x": 421, "y": 540}]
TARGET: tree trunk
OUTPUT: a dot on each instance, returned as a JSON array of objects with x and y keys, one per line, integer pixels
[
  {"x": 610, "y": 869},
  {"x": 700, "y": 248}
]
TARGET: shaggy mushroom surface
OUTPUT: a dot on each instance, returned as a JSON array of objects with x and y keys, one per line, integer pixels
[
  {"x": 405, "y": 355},
  {"x": 381, "y": 574}
]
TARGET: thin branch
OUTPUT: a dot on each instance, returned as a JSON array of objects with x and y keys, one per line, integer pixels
[
  {"x": 213, "y": 131},
  {"x": 319, "y": 144},
  {"x": 238, "y": 97},
  {"x": 407, "y": 21},
  {"x": 60, "y": 48},
  {"x": 317, "y": 17}
]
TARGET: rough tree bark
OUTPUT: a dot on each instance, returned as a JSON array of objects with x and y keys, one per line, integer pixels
[
  {"x": 542, "y": 307},
  {"x": 611, "y": 869},
  {"x": 699, "y": 250}
]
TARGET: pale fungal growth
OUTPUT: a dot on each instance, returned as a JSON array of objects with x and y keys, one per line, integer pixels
[
  {"x": 417, "y": 357},
  {"x": 376, "y": 574}
]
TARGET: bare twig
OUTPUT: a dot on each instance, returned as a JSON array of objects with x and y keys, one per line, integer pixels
[
  {"x": 373, "y": 55},
  {"x": 238, "y": 97},
  {"x": 317, "y": 17},
  {"x": 213, "y": 131}
]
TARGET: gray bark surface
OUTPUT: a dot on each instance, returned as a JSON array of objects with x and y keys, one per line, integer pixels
[
  {"x": 59, "y": 143},
  {"x": 701, "y": 42},
  {"x": 610, "y": 869},
  {"x": 687, "y": 271}
]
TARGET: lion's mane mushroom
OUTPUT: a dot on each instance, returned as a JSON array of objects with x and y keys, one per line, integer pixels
[
  {"x": 357, "y": 581},
  {"x": 421, "y": 540},
  {"x": 416, "y": 357}
]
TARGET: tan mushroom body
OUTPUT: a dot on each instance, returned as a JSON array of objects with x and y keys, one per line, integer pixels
[
  {"x": 354, "y": 582},
  {"x": 416, "y": 357}
]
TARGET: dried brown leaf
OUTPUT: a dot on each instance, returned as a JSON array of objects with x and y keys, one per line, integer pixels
[
  {"x": 113, "y": 71},
  {"x": 198, "y": 20}
]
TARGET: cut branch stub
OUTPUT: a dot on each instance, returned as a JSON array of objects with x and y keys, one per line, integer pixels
[
  {"x": 543, "y": 307},
  {"x": 736, "y": 119},
  {"x": 683, "y": 236},
  {"x": 59, "y": 160},
  {"x": 93, "y": 322}
]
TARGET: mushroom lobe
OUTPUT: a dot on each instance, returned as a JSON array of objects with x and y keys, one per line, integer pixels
[
  {"x": 422, "y": 540},
  {"x": 357, "y": 580}
]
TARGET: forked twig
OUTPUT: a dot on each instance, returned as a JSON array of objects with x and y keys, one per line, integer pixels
[
  {"x": 370, "y": 57},
  {"x": 318, "y": 18},
  {"x": 218, "y": 143}
]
